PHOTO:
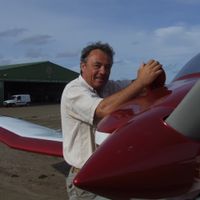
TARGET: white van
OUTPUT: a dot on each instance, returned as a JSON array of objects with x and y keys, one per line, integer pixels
[{"x": 18, "y": 100}]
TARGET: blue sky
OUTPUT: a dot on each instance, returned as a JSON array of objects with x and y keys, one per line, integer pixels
[{"x": 138, "y": 30}]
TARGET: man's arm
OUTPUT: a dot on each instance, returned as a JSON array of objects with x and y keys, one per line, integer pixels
[{"x": 147, "y": 73}]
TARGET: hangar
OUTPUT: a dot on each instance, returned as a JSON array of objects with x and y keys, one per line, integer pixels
[{"x": 44, "y": 81}]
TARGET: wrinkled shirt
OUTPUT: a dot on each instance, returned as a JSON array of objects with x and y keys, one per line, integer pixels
[{"x": 78, "y": 104}]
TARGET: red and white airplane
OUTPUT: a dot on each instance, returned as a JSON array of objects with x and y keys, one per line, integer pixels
[{"x": 148, "y": 148}]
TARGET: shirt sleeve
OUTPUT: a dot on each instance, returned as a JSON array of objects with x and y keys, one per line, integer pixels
[{"x": 81, "y": 103}]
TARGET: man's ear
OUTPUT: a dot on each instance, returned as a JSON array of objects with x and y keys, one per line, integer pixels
[{"x": 82, "y": 65}]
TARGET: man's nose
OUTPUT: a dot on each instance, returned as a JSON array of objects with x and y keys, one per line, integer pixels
[{"x": 103, "y": 70}]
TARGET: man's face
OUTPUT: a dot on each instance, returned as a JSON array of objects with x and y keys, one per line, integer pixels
[{"x": 96, "y": 69}]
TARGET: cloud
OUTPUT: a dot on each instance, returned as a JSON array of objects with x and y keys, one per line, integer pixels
[
  {"x": 178, "y": 39},
  {"x": 175, "y": 43},
  {"x": 37, "y": 40},
  {"x": 169, "y": 31},
  {"x": 35, "y": 53},
  {"x": 4, "y": 61},
  {"x": 12, "y": 32},
  {"x": 173, "y": 46},
  {"x": 67, "y": 54},
  {"x": 164, "y": 30}
]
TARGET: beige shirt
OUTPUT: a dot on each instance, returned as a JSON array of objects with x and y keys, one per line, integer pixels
[{"x": 78, "y": 104}]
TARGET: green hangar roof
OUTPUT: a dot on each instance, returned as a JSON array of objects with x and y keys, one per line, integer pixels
[{"x": 36, "y": 72}]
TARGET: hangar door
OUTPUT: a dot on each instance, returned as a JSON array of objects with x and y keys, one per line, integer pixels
[{"x": 41, "y": 92}]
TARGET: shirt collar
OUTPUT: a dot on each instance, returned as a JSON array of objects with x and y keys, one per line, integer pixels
[{"x": 85, "y": 83}]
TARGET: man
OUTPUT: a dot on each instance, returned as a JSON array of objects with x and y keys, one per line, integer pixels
[{"x": 88, "y": 99}]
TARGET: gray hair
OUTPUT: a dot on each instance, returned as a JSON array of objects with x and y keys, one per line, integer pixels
[{"x": 105, "y": 47}]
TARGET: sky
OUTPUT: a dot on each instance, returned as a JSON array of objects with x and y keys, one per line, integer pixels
[{"x": 138, "y": 30}]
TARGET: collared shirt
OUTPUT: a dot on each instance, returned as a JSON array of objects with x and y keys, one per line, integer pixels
[{"x": 78, "y": 104}]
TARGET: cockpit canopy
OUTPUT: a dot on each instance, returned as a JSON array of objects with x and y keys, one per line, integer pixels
[{"x": 191, "y": 67}]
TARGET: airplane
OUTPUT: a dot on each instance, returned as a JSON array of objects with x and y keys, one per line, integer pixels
[{"x": 148, "y": 148}]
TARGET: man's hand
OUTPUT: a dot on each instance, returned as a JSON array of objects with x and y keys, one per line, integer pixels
[
  {"x": 146, "y": 75},
  {"x": 148, "y": 72}
]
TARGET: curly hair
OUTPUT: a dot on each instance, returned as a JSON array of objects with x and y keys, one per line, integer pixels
[{"x": 105, "y": 47}]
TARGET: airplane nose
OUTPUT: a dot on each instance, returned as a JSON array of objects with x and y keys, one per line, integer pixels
[{"x": 140, "y": 162}]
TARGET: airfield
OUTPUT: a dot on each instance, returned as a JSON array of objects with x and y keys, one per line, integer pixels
[{"x": 30, "y": 176}]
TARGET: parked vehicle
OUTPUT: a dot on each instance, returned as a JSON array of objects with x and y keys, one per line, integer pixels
[{"x": 18, "y": 100}]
